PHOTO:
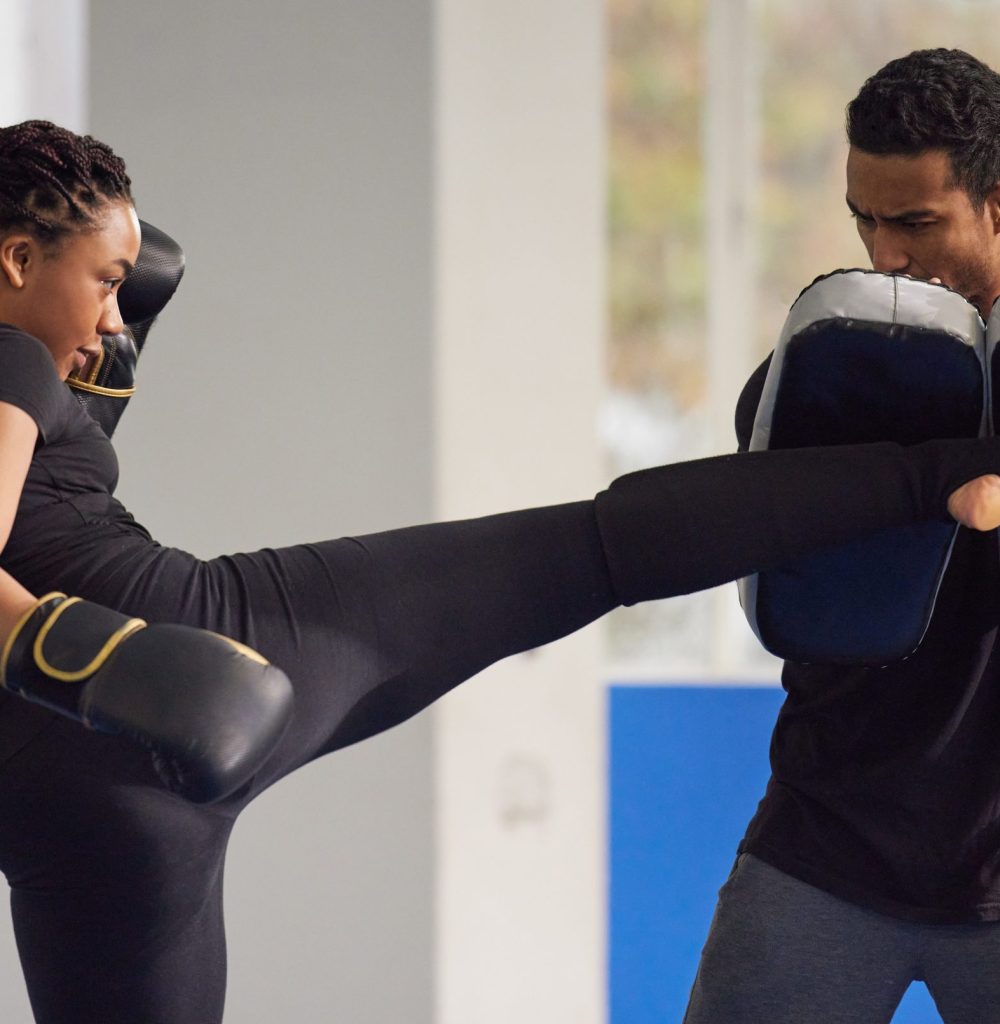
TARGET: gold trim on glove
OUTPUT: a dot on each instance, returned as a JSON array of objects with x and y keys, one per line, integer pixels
[
  {"x": 127, "y": 629},
  {"x": 247, "y": 652},
  {"x": 18, "y": 626},
  {"x": 95, "y": 389}
]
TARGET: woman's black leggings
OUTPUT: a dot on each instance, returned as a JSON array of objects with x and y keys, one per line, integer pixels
[{"x": 117, "y": 884}]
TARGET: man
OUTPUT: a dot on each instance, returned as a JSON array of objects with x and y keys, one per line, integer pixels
[{"x": 874, "y": 858}]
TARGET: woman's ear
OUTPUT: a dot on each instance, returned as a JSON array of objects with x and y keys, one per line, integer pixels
[{"x": 18, "y": 254}]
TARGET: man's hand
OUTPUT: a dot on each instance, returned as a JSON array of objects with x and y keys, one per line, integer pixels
[{"x": 976, "y": 504}]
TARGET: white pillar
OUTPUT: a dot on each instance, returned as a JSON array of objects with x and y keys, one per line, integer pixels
[
  {"x": 42, "y": 61},
  {"x": 43, "y": 50},
  {"x": 519, "y": 333},
  {"x": 14, "y": 84},
  {"x": 730, "y": 148},
  {"x": 730, "y": 145}
]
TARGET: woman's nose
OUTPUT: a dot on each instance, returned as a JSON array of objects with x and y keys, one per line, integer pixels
[{"x": 111, "y": 321}]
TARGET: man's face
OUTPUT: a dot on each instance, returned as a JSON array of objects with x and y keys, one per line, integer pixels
[{"x": 914, "y": 219}]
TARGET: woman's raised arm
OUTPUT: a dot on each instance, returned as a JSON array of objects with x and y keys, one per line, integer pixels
[{"x": 18, "y": 436}]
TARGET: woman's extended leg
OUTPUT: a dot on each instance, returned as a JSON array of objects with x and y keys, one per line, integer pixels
[{"x": 373, "y": 629}]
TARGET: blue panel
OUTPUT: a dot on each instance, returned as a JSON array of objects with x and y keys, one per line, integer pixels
[
  {"x": 688, "y": 765},
  {"x": 917, "y": 1007}
]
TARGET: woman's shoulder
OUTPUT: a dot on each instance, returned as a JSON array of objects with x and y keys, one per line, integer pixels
[
  {"x": 29, "y": 380},
  {"x": 17, "y": 346}
]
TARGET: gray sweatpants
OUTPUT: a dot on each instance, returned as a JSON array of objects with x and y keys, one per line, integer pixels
[{"x": 782, "y": 952}]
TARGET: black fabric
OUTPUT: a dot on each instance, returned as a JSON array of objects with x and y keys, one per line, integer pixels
[
  {"x": 75, "y": 458},
  {"x": 117, "y": 884},
  {"x": 746, "y": 404},
  {"x": 28, "y": 379},
  {"x": 669, "y": 531},
  {"x": 885, "y": 785}
]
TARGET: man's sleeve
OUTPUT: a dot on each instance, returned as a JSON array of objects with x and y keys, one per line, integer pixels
[{"x": 746, "y": 406}]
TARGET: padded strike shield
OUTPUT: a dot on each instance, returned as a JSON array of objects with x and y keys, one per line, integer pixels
[{"x": 866, "y": 357}]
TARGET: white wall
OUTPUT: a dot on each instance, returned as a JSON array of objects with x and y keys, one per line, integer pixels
[
  {"x": 14, "y": 84},
  {"x": 42, "y": 75},
  {"x": 285, "y": 396}
]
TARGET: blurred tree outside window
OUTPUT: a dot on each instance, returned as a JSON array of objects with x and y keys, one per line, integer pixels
[{"x": 802, "y": 64}]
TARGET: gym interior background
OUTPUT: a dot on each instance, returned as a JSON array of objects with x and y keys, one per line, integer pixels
[{"x": 445, "y": 258}]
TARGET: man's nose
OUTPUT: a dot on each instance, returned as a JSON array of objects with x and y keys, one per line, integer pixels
[{"x": 888, "y": 255}]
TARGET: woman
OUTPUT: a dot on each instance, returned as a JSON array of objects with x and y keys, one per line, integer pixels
[{"x": 116, "y": 882}]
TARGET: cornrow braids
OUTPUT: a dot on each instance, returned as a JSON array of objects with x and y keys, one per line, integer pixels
[{"x": 54, "y": 182}]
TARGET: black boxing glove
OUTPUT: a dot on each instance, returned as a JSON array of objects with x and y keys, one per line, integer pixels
[
  {"x": 208, "y": 709},
  {"x": 106, "y": 385}
]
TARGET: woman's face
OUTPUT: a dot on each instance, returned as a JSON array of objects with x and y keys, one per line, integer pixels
[{"x": 69, "y": 298}]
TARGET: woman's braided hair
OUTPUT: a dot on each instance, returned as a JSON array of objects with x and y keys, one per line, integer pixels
[{"x": 54, "y": 182}]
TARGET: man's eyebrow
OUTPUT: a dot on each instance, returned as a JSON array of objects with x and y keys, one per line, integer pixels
[
  {"x": 899, "y": 218},
  {"x": 127, "y": 267}
]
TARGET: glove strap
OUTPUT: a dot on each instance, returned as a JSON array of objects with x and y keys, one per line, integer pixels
[
  {"x": 44, "y": 652},
  {"x": 41, "y": 609},
  {"x": 126, "y": 629}
]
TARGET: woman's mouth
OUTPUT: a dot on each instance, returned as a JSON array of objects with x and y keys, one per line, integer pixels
[{"x": 83, "y": 362}]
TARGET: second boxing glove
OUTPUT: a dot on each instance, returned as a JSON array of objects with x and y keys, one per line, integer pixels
[
  {"x": 106, "y": 385},
  {"x": 208, "y": 709}
]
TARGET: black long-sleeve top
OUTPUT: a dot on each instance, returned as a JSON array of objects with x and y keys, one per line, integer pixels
[{"x": 885, "y": 786}]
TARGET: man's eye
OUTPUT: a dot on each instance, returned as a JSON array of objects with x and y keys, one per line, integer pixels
[
  {"x": 111, "y": 283},
  {"x": 860, "y": 218}
]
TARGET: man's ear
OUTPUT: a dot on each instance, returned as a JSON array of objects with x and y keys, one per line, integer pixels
[{"x": 18, "y": 255}]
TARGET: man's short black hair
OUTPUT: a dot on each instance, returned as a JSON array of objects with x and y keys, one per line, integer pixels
[{"x": 934, "y": 100}]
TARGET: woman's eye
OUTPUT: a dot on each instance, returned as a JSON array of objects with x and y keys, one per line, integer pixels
[{"x": 112, "y": 283}]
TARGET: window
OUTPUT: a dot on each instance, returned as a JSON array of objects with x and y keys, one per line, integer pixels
[{"x": 726, "y": 198}]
